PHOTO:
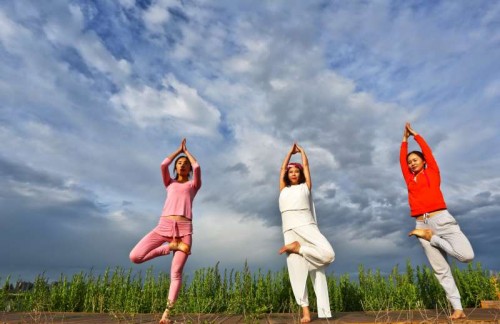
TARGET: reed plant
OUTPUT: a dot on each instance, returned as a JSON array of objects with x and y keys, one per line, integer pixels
[
  {"x": 211, "y": 290},
  {"x": 4, "y": 293},
  {"x": 474, "y": 284}
]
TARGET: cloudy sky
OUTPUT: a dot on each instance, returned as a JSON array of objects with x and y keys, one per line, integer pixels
[{"x": 95, "y": 94}]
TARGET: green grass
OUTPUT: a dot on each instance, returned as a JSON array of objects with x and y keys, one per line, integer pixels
[{"x": 242, "y": 292}]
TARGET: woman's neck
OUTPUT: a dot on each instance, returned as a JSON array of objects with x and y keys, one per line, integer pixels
[
  {"x": 417, "y": 173},
  {"x": 182, "y": 179}
]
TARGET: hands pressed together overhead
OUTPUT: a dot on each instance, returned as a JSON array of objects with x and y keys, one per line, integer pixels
[
  {"x": 296, "y": 148},
  {"x": 408, "y": 131},
  {"x": 182, "y": 147}
]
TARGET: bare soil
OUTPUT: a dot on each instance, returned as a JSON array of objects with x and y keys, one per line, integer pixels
[{"x": 475, "y": 316}]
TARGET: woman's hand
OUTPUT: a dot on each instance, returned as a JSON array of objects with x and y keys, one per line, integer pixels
[
  {"x": 183, "y": 145},
  {"x": 410, "y": 130},
  {"x": 406, "y": 133},
  {"x": 294, "y": 149},
  {"x": 305, "y": 165}
]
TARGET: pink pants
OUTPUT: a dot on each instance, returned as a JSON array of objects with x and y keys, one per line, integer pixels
[{"x": 152, "y": 246}]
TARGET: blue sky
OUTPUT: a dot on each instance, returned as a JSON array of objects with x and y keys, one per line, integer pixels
[{"x": 94, "y": 95}]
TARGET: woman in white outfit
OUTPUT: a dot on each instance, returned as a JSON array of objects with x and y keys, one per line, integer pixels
[{"x": 309, "y": 252}]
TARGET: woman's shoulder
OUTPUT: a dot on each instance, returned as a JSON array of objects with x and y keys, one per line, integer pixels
[
  {"x": 303, "y": 186},
  {"x": 298, "y": 187}
]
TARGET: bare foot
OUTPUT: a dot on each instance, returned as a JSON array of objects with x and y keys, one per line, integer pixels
[
  {"x": 184, "y": 247},
  {"x": 426, "y": 234},
  {"x": 177, "y": 245},
  {"x": 165, "y": 317},
  {"x": 293, "y": 247},
  {"x": 458, "y": 314},
  {"x": 306, "y": 317}
]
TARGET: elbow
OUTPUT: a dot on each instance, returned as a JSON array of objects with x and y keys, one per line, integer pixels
[{"x": 165, "y": 163}]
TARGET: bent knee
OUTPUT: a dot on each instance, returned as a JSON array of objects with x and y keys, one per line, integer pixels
[
  {"x": 467, "y": 257},
  {"x": 135, "y": 258},
  {"x": 329, "y": 256}
]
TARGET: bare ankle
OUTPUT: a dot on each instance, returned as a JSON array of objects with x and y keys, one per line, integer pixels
[
  {"x": 306, "y": 315},
  {"x": 457, "y": 314}
]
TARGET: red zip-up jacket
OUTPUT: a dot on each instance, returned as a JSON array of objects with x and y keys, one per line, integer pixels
[{"x": 424, "y": 193}]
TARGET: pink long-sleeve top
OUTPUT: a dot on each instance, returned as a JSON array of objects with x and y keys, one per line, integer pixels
[{"x": 180, "y": 195}]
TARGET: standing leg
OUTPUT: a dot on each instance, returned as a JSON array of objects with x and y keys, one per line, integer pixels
[
  {"x": 320, "y": 285},
  {"x": 178, "y": 262},
  {"x": 442, "y": 271},
  {"x": 297, "y": 271},
  {"x": 312, "y": 254}
]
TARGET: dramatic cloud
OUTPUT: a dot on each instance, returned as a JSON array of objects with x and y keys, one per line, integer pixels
[
  {"x": 94, "y": 95},
  {"x": 176, "y": 105}
]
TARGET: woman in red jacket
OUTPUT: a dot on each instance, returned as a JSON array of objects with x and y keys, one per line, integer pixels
[{"x": 436, "y": 229}]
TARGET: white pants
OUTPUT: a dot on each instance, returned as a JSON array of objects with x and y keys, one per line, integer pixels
[
  {"x": 447, "y": 239},
  {"x": 314, "y": 256}
]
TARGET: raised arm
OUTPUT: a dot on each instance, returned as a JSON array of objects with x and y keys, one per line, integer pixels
[
  {"x": 305, "y": 165},
  {"x": 403, "y": 152},
  {"x": 283, "y": 171},
  {"x": 164, "y": 165},
  {"x": 426, "y": 150},
  {"x": 194, "y": 165}
]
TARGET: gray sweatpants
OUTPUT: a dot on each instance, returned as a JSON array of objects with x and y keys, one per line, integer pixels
[{"x": 447, "y": 239}]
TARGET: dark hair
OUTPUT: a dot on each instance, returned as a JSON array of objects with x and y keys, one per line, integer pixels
[
  {"x": 302, "y": 177},
  {"x": 420, "y": 154},
  {"x": 175, "y": 163}
]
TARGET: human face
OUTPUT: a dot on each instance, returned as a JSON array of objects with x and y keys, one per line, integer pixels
[
  {"x": 415, "y": 163},
  {"x": 183, "y": 167},
  {"x": 294, "y": 175}
]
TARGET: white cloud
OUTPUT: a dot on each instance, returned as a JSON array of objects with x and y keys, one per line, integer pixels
[
  {"x": 127, "y": 3},
  {"x": 157, "y": 15},
  {"x": 226, "y": 236},
  {"x": 8, "y": 28},
  {"x": 175, "y": 106},
  {"x": 341, "y": 80},
  {"x": 71, "y": 32},
  {"x": 492, "y": 90}
]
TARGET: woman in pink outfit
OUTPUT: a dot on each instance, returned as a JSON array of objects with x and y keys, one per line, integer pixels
[{"x": 175, "y": 226}]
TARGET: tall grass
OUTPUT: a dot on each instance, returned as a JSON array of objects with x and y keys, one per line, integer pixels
[{"x": 243, "y": 292}]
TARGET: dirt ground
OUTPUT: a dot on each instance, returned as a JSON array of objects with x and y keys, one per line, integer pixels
[{"x": 476, "y": 316}]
